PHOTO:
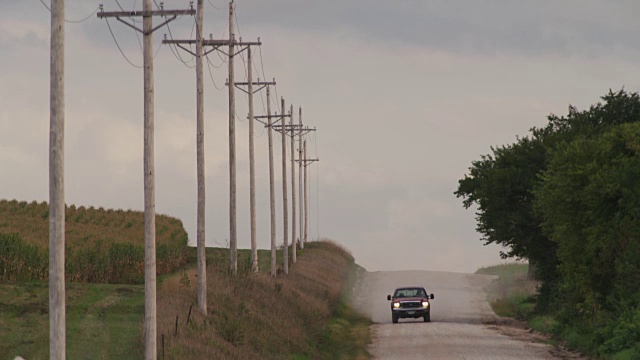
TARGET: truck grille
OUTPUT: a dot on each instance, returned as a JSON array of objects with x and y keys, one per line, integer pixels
[{"x": 410, "y": 304}]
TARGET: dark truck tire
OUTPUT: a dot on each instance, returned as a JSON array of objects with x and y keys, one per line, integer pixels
[
  {"x": 394, "y": 319},
  {"x": 427, "y": 317}
]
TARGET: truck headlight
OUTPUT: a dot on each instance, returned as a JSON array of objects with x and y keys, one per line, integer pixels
[
  {"x": 396, "y": 305},
  {"x": 425, "y": 304}
]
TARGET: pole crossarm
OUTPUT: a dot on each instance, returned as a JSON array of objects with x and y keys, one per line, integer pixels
[
  {"x": 271, "y": 116},
  {"x": 287, "y": 129},
  {"x": 306, "y": 162},
  {"x": 130, "y": 14},
  {"x": 261, "y": 84},
  {"x": 259, "y": 117},
  {"x": 295, "y": 130},
  {"x": 179, "y": 43},
  {"x": 305, "y": 131},
  {"x": 215, "y": 44}
]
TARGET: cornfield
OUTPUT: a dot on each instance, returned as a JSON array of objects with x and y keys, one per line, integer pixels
[{"x": 102, "y": 246}]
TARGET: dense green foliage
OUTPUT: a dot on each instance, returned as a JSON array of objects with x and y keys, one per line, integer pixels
[
  {"x": 567, "y": 197},
  {"x": 102, "y": 246}
]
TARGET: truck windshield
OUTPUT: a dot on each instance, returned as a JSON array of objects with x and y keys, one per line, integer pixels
[{"x": 409, "y": 292}]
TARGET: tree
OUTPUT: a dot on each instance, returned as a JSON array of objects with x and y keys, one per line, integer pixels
[
  {"x": 501, "y": 185},
  {"x": 589, "y": 201}
]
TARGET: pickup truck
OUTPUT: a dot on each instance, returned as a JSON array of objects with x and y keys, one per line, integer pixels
[{"x": 410, "y": 302}]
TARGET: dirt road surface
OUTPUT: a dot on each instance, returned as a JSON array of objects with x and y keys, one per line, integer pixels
[{"x": 463, "y": 325}]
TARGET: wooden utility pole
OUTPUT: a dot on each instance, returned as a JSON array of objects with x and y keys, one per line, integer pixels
[
  {"x": 305, "y": 162},
  {"x": 252, "y": 177},
  {"x": 285, "y": 262},
  {"x": 151, "y": 349},
  {"x": 252, "y": 168},
  {"x": 233, "y": 240},
  {"x": 272, "y": 195},
  {"x": 294, "y": 243},
  {"x": 306, "y": 203},
  {"x": 300, "y": 178},
  {"x": 57, "y": 298},
  {"x": 202, "y": 258},
  {"x": 215, "y": 46},
  {"x": 269, "y": 125}
]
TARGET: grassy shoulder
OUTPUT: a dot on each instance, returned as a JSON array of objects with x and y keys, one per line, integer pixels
[
  {"x": 514, "y": 296},
  {"x": 303, "y": 315},
  {"x": 104, "y": 321}
]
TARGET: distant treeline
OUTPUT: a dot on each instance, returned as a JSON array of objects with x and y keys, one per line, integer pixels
[
  {"x": 103, "y": 246},
  {"x": 567, "y": 198}
]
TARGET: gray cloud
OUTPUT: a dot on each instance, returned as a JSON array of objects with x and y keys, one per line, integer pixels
[{"x": 530, "y": 28}]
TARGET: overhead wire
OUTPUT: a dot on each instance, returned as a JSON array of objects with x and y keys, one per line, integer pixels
[
  {"x": 211, "y": 74},
  {"x": 176, "y": 52},
  {"x": 215, "y": 7},
  {"x": 119, "y": 48},
  {"x": 73, "y": 21},
  {"x": 264, "y": 109},
  {"x": 134, "y": 6}
]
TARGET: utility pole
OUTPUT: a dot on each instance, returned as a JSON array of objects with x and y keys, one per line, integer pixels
[
  {"x": 57, "y": 297},
  {"x": 306, "y": 204},
  {"x": 252, "y": 168},
  {"x": 300, "y": 177},
  {"x": 305, "y": 162},
  {"x": 252, "y": 183},
  {"x": 272, "y": 195},
  {"x": 233, "y": 239},
  {"x": 147, "y": 13},
  {"x": 215, "y": 46},
  {"x": 285, "y": 256},
  {"x": 294, "y": 243},
  {"x": 270, "y": 125},
  {"x": 202, "y": 258},
  {"x": 284, "y": 129}
]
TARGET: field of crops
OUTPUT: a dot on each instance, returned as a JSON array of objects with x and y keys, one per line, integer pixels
[{"x": 102, "y": 246}]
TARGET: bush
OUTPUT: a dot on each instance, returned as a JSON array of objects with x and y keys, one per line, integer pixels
[{"x": 622, "y": 334}]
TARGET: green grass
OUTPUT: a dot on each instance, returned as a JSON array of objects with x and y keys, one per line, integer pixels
[
  {"x": 103, "y": 320},
  {"x": 512, "y": 294},
  {"x": 508, "y": 273},
  {"x": 346, "y": 335},
  {"x": 629, "y": 354},
  {"x": 544, "y": 324}
]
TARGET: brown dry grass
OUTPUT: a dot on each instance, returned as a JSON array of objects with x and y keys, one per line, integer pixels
[{"x": 254, "y": 316}]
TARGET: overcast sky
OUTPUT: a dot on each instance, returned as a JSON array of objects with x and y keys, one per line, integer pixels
[{"x": 404, "y": 96}]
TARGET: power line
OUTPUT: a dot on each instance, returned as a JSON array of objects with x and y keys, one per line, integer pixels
[
  {"x": 73, "y": 21},
  {"x": 133, "y": 9},
  {"x": 176, "y": 52},
  {"x": 211, "y": 75},
  {"x": 215, "y": 7},
  {"x": 118, "y": 45},
  {"x": 264, "y": 109}
]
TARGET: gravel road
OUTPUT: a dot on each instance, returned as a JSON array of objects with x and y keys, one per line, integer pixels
[{"x": 463, "y": 325}]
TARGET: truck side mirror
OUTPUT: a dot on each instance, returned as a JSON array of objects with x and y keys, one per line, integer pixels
[
  {"x": 389, "y": 297},
  {"x": 431, "y": 297}
]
